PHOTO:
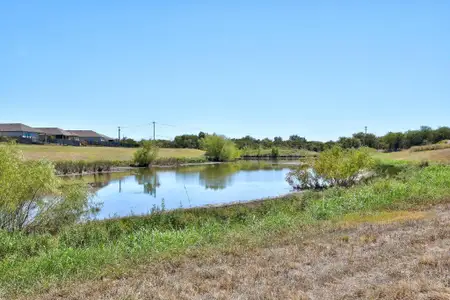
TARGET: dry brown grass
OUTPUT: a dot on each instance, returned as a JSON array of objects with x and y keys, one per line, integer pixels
[
  {"x": 55, "y": 153},
  {"x": 409, "y": 259},
  {"x": 442, "y": 155}
]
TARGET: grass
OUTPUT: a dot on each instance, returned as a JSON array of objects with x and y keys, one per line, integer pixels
[
  {"x": 441, "y": 156},
  {"x": 113, "y": 248},
  {"x": 58, "y": 153}
]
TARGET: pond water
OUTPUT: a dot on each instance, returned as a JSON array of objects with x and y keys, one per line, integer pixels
[{"x": 137, "y": 192}]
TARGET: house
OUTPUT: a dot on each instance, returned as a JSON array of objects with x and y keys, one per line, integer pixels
[
  {"x": 91, "y": 136},
  {"x": 58, "y": 135},
  {"x": 20, "y": 131}
]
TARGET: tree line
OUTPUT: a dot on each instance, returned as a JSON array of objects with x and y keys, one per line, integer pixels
[{"x": 392, "y": 141}]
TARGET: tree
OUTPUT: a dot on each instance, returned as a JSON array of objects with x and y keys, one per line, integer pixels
[
  {"x": 348, "y": 143},
  {"x": 278, "y": 141},
  {"x": 146, "y": 154},
  {"x": 267, "y": 143},
  {"x": 297, "y": 142},
  {"x": 219, "y": 148},
  {"x": 33, "y": 198},
  {"x": 368, "y": 140},
  {"x": 441, "y": 134},
  {"x": 393, "y": 141},
  {"x": 187, "y": 141},
  {"x": 201, "y": 135}
]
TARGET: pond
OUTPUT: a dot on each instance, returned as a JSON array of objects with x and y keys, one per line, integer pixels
[{"x": 137, "y": 192}]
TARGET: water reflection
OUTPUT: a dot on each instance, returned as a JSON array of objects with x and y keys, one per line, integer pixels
[
  {"x": 149, "y": 180},
  {"x": 138, "y": 191}
]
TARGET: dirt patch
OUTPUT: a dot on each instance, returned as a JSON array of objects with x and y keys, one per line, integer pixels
[{"x": 375, "y": 260}]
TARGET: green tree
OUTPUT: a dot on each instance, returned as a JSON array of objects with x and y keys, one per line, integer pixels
[
  {"x": 33, "y": 198},
  {"x": 297, "y": 142},
  {"x": 146, "y": 154},
  {"x": 219, "y": 148},
  {"x": 441, "y": 134},
  {"x": 393, "y": 141},
  {"x": 278, "y": 141}
]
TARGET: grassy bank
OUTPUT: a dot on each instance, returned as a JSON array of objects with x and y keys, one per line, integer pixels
[
  {"x": 30, "y": 263},
  {"x": 263, "y": 152},
  {"x": 88, "y": 154},
  {"x": 73, "y": 167}
]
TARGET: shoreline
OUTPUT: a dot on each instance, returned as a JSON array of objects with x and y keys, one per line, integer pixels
[{"x": 167, "y": 166}]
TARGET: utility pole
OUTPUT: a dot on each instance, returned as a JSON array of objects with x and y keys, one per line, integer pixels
[
  {"x": 118, "y": 129},
  {"x": 154, "y": 136},
  {"x": 365, "y": 135}
]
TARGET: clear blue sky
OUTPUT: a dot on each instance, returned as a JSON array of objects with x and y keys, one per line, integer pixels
[{"x": 266, "y": 68}]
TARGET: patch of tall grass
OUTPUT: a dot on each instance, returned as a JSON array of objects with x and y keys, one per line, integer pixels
[{"x": 429, "y": 147}]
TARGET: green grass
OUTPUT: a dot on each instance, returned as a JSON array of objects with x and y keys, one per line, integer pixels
[
  {"x": 58, "y": 153},
  {"x": 30, "y": 263}
]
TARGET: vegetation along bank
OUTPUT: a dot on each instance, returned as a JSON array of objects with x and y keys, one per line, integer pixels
[{"x": 53, "y": 249}]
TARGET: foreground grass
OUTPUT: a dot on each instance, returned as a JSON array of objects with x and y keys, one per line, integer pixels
[
  {"x": 385, "y": 255},
  {"x": 58, "y": 153},
  {"x": 110, "y": 249}
]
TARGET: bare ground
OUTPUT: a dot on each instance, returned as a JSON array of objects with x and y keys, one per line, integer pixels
[{"x": 408, "y": 258}]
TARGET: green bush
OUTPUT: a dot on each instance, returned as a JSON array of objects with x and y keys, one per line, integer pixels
[
  {"x": 219, "y": 148},
  {"x": 333, "y": 167},
  {"x": 33, "y": 197},
  {"x": 146, "y": 154}
]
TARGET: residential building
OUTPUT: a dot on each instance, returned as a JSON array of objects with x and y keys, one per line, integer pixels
[
  {"x": 91, "y": 136},
  {"x": 20, "y": 131},
  {"x": 58, "y": 135}
]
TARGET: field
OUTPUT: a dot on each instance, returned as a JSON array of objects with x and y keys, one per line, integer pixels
[
  {"x": 396, "y": 255},
  {"x": 56, "y": 153},
  {"x": 442, "y": 155}
]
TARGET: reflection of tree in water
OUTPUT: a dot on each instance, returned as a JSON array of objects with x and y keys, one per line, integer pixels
[
  {"x": 217, "y": 177},
  {"x": 149, "y": 179}
]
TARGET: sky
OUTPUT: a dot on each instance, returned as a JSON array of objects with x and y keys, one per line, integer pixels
[{"x": 319, "y": 69}]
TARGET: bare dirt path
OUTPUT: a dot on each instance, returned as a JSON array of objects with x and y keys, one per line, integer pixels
[{"x": 407, "y": 259}]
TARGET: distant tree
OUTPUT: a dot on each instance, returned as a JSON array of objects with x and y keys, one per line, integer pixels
[
  {"x": 278, "y": 141},
  {"x": 393, "y": 141},
  {"x": 440, "y": 134},
  {"x": 348, "y": 143},
  {"x": 368, "y": 140},
  {"x": 201, "y": 135},
  {"x": 266, "y": 143},
  {"x": 297, "y": 142},
  {"x": 187, "y": 141}
]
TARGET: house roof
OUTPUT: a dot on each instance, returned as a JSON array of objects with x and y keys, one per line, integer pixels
[
  {"x": 14, "y": 127},
  {"x": 56, "y": 131},
  {"x": 89, "y": 134}
]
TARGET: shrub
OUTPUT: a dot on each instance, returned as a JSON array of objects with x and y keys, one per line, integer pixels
[
  {"x": 333, "y": 167},
  {"x": 219, "y": 148},
  {"x": 33, "y": 198},
  {"x": 275, "y": 152},
  {"x": 146, "y": 154}
]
